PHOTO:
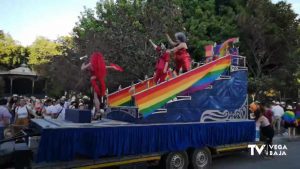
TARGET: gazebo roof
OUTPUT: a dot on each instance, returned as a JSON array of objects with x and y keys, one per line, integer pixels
[{"x": 23, "y": 70}]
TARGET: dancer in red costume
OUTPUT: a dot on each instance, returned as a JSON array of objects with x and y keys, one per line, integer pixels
[
  {"x": 182, "y": 57},
  {"x": 97, "y": 69},
  {"x": 162, "y": 64}
]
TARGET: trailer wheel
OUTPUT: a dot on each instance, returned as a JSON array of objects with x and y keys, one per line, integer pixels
[
  {"x": 200, "y": 158},
  {"x": 176, "y": 160}
]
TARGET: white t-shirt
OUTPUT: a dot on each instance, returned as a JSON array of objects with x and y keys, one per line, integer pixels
[
  {"x": 58, "y": 108},
  {"x": 62, "y": 114},
  {"x": 49, "y": 110},
  {"x": 277, "y": 111},
  {"x": 22, "y": 112},
  {"x": 262, "y": 121}
]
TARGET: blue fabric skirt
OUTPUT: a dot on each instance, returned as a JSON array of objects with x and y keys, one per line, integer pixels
[{"x": 66, "y": 143}]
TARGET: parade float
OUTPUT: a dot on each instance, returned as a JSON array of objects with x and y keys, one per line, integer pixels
[{"x": 180, "y": 122}]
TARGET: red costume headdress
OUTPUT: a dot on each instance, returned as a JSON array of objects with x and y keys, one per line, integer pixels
[
  {"x": 98, "y": 69},
  {"x": 98, "y": 65}
]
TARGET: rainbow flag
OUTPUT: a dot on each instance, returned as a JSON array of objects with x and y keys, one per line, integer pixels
[
  {"x": 151, "y": 99},
  {"x": 209, "y": 50},
  {"x": 289, "y": 117},
  {"x": 123, "y": 96},
  {"x": 225, "y": 45}
]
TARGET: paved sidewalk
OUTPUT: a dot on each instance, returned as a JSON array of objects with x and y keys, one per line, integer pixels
[{"x": 280, "y": 138}]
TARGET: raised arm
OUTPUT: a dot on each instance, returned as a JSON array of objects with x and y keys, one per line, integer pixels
[
  {"x": 85, "y": 66},
  {"x": 170, "y": 40},
  {"x": 153, "y": 44},
  {"x": 109, "y": 67},
  {"x": 166, "y": 67}
]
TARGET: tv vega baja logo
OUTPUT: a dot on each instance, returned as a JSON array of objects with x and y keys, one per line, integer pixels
[{"x": 272, "y": 150}]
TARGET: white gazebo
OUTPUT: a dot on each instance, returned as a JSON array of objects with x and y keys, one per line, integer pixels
[{"x": 21, "y": 72}]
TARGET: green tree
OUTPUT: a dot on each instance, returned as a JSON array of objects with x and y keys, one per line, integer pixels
[
  {"x": 11, "y": 53},
  {"x": 269, "y": 36},
  {"x": 62, "y": 74},
  {"x": 120, "y": 30},
  {"x": 66, "y": 45},
  {"x": 62, "y": 71},
  {"x": 42, "y": 50},
  {"x": 208, "y": 21}
]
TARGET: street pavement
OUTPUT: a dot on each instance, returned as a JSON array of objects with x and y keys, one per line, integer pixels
[{"x": 243, "y": 160}]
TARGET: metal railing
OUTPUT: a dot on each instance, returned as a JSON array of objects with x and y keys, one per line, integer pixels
[{"x": 237, "y": 60}]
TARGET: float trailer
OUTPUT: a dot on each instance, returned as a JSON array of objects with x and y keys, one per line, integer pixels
[{"x": 180, "y": 122}]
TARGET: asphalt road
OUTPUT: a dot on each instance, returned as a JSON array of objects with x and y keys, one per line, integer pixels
[{"x": 243, "y": 160}]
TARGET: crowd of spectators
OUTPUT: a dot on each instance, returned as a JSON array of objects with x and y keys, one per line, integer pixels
[
  {"x": 284, "y": 118},
  {"x": 271, "y": 117},
  {"x": 16, "y": 111}
]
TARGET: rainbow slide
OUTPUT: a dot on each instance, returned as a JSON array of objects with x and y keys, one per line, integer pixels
[
  {"x": 197, "y": 79},
  {"x": 123, "y": 96}
]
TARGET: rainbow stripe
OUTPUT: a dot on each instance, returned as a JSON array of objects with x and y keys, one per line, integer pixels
[
  {"x": 289, "y": 117},
  {"x": 123, "y": 96},
  {"x": 205, "y": 81},
  {"x": 119, "y": 98},
  {"x": 209, "y": 50},
  {"x": 225, "y": 45},
  {"x": 149, "y": 100}
]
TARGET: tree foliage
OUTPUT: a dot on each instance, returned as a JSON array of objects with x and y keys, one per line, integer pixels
[
  {"x": 62, "y": 72},
  {"x": 208, "y": 21},
  {"x": 269, "y": 35},
  {"x": 66, "y": 45},
  {"x": 11, "y": 53},
  {"x": 42, "y": 50},
  {"x": 269, "y": 38},
  {"x": 120, "y": 30}
]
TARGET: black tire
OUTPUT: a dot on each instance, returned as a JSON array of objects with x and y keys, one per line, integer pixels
[
  {"x": 200, "y": 158},
  {"x": 175, "y": 160}
]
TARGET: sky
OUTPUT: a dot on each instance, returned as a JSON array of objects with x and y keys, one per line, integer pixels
[{"x": 24, "y": 20}]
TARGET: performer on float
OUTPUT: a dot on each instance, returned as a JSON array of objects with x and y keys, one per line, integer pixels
[
  {"x": 162, "y": 64},
  {"x": 97, "y": 69},
  {"x": 182, "y": 57}
]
